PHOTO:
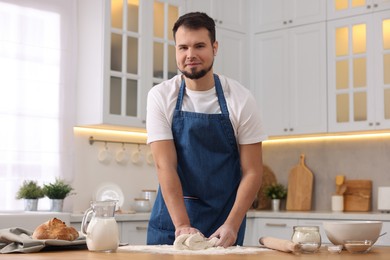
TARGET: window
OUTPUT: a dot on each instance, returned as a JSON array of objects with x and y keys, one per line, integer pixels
[{"x": 37, "y": 108}]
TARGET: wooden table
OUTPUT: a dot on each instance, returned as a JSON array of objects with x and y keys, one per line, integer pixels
[{"x": 376, "y": 253}]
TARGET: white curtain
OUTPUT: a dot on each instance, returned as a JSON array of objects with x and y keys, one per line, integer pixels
[{"x": 37, "y": 86}]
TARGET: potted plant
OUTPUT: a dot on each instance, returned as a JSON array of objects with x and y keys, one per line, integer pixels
[
  {"x": 276, "y": 192},
  {"x": 30, "y": 191},
  {"x": 57, "y": 192}
]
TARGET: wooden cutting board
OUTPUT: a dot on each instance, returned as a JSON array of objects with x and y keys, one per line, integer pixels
[
  {"x": 357, "y": 197},
  {"x": 300, "y": 187},
  {"x": 262, "y": 202}
]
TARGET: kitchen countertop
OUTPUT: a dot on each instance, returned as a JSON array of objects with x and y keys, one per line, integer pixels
[
  {"x": 78, "y": 217},
  {"x": 270, "y": 214},
  {"x": 375, "y": 253},
  {"x": 320, "y": 215}
]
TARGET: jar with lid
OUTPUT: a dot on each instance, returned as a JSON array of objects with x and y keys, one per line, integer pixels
[{"x": 308, "y": 237}]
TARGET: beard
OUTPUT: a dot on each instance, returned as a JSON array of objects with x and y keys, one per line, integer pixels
[{"x": 196, "y": 74}]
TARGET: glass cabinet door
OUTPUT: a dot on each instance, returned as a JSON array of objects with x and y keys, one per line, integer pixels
[
  {"x": 382, "y": 74},
  {"x": 344, "y": 8},
  {"x": 165, "y": 15},
  {"x": 124, "y": 74},
  {"x": 351, "y": 73},
  {"x": 351, "y": 85},
  {"x": 359, "y": 73}
]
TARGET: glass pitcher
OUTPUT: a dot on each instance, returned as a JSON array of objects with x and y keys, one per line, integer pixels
[{"x": 101, "y": 232}]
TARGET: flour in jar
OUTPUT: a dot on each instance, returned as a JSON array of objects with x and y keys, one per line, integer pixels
[{"x": 102, "y": 234}]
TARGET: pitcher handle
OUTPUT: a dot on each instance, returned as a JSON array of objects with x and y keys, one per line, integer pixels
[{"x": 84, "y": 224}]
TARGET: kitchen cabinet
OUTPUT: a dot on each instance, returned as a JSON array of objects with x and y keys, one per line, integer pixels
[
  {"x": 230, "y": 18},
  {"x": 274, "y": 227},
  {"x": 359, "y": 73},
  {"x": 277, "y": 14},
  {"x": 134, "y": 232},
  {"x": 122, "y": 54},
  {"x": 227, "y": 14},
  {"x": 346, "y": 8},
  {"x": 289, "y": 71}
]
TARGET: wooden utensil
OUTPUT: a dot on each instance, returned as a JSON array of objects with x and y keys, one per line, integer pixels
[
  {"x": 263, "y": 202},
  {"x": 357, "y": 196},
  {"x": 280, "y": 244},
  {"x": 300, "y": 187},
  {"x": 339, "y": 181}
]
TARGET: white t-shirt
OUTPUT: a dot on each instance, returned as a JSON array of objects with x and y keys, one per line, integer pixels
[{"x": 243, "y": 111}]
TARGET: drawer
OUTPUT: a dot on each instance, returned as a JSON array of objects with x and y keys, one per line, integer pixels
[
  {"x": 134, "y": 232},
  {"x": 279, "y": 228}
]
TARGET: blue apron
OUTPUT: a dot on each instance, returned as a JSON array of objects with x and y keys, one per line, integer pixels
[{"x": 209, "y": 170}]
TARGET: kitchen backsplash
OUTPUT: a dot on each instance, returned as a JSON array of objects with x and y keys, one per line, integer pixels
[{"x": 367, "y": 158}]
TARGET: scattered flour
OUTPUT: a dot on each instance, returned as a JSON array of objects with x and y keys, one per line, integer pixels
[{"x": 169, "y": 249}]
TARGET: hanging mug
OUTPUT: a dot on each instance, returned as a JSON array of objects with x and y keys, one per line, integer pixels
[
  {"x": 122, "y": 156},
  {"x": 104, "y": 155}
]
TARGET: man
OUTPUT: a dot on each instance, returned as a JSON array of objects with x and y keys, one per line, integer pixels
[{"x": 205, "y": 135}]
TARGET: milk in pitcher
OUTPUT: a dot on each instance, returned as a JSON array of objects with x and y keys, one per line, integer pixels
[{"x": 102, "y": 234}]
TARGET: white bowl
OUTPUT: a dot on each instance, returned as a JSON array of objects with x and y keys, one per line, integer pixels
[
  {"x": 142, "y": 205},
  {"x": 339, "y": 231}
]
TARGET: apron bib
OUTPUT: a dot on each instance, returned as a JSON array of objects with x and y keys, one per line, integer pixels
[{"x": 209, "y": 170}]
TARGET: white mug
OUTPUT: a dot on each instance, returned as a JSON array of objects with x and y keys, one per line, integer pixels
[
  {"x": 122, "y": 156},
  {"x": 104, "y": 155},
  {"x": 136, "y": 157},
  {"x": 149, "y": 158}
]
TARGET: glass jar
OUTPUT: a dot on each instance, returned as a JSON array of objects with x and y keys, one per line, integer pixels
[{"x": 308, "y": 237}]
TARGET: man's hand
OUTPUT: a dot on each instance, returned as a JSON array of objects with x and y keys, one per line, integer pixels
[
  {"x": 226, "y": 234},
  {"x": 186, "y": 230}
]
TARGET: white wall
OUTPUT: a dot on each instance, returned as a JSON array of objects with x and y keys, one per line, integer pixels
[{"x": 90, "y": 174}]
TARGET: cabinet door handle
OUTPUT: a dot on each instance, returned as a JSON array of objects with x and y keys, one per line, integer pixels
[
  {"x": 285, "y": 129},
  {"x": 290, "y": 21},
  {"x": 368, "y": 6},
  {"x": 275, "y": 225},
  {"x": 375, "y": 5},
  {"x": 141, "y": 228},
  {"x": 377, "y": 123},
  {"x": 291, "y": 129},
  {"x": 370, "y": 124},
  {"x": 284, "y": 22}
]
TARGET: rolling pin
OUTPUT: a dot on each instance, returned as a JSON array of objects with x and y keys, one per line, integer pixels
[{"x": 280, "y": 244}]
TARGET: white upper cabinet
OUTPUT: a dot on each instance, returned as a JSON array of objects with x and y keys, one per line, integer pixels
[
  {"x": 290, "y": 79},
  {"x": 359, "y": 73},
  {"x": 227, "y": 14},
  {"x": 125, "y": 47},
  {"x": 232, "y": 55},
  {"x": 276, "y": 14},
  {"x": 345, "y": 8}
]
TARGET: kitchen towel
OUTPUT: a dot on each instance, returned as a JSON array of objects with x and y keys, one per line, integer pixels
[
  {"x": 14, "y": 240},
  {"x": 18, "y": 240}
]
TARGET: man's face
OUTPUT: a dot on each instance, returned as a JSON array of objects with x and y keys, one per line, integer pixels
[{"x": 194, "y": 52}]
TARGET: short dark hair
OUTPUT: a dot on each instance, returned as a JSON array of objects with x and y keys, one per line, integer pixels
[{"x": 195, "y": 21}]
